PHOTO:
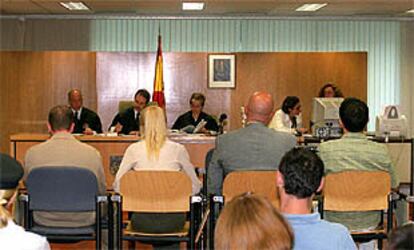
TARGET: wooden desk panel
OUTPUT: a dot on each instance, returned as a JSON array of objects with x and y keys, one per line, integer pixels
[{"x": 197, "y": 147}]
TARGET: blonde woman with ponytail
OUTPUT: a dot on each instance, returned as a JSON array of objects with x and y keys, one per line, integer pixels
[{"x": 156, "y": 152}]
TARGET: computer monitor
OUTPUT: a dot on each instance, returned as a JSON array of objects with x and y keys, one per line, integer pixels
[{"x": 325, "y": 117}]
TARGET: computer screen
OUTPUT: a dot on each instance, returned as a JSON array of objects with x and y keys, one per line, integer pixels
[
  {"x": 325, "y": 117},
  {"x": 325, "y": 109}
]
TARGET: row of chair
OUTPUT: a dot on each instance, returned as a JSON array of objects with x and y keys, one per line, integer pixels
[{"x": 72, "y": 189}]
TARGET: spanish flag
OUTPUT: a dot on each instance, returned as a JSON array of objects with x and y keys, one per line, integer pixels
[{"x": 158, "y": 95}]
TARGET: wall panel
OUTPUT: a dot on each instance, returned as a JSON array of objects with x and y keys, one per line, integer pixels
[
  {"x": 380, "y": 39},
  {"x": 33, "y": 82}
]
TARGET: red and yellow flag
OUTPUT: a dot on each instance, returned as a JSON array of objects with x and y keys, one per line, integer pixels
[{"x": 158, "y": 95}]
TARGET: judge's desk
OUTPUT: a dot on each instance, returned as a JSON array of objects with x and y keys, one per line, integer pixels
[{"x": 112, "y": 148}]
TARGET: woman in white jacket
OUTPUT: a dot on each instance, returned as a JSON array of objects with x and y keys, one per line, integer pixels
[{"x": 289, "y": 117}]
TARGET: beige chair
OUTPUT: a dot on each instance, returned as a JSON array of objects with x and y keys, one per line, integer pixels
[
  {"x": 239, "y": 182},
  {"x": 258, "y": 182},
  {"x": 358, "y": 191},
  {"x": 157, "y": 192}
]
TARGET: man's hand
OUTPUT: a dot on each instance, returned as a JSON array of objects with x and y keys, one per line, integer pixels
[
  {"x": 88, "y": 131},
  {"x": 118, "y": 128}
]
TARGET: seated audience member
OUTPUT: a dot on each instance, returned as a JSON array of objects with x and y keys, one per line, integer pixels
[
  {"x": 13, "y": 236},
  {"x": 250, "y": 221},
  {"x": 63, "y": 150},
  {"x": 195, "y": 115},
  {"x": 402, "y": 238},
  {"x": 11, "y": 172},
  {"x": 355, "y": 152},
  {"x": 289, "y": 117},
  {"x": 299, "y": 177},
  {"x": 330, "y": 90},
  {"x": 254, "y": 147},
  {"x": 86, "y": 121},
  {"x": 127, "y": 122},
  {"x": 156, "y": 152}
]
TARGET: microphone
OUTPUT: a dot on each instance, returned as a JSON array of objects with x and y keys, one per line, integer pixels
[{"x": 222, "y": 118}]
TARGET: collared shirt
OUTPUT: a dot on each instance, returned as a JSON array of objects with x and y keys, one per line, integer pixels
[
  {"x": 313, "y": 233},
  {"x": 355, "y": 152},
  {"x": 78, "y": 113}
]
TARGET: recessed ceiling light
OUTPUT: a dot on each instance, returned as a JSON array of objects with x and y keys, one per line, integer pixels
[
  {"x": 74, "y": 5},
  {"x": 410, "y": 11},
  {"x": 193, "y": 5},
  {"x": 311, "y": 7}
]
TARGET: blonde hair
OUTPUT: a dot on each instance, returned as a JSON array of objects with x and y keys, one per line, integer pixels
[
  {"x": 154, "y": 130},
  {"x": 251, "y": 222},
  {"x": 4, "y": 217},
  {"x": 5, "y": 194}
]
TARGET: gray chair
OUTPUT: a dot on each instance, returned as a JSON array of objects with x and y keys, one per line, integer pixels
[{"x": 63, "y": 189}]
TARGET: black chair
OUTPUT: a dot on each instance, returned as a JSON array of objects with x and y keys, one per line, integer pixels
[{"x": 63, "y": 189}]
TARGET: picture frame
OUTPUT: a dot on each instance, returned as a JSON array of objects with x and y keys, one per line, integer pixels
[{"x": 222, "y": 71}]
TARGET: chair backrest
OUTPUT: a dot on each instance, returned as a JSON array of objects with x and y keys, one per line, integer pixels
[
  {"x": 258, "y": 182},
  {"x": 62, "y": 189},
  {"x": 155, "y": 191},
  {"x": 124, "y": 105},
  {"x": 357, "y": 191}
]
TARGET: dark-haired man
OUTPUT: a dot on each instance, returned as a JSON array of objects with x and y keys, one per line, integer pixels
[
  {"x": 62, "y": 149},
  {"x": 127, "y": 122},
  {"x": 299, "y": 177},
  {"x": 86, "y": 120},
  {"x": 355, "y": 152}
]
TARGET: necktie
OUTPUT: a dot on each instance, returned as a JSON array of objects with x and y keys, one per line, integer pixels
[
  {"x": 76, "y": 115},
  {"x": 137, "y": 118}
]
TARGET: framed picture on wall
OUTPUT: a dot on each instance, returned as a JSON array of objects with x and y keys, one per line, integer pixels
[{"x": 222, "y": 71}]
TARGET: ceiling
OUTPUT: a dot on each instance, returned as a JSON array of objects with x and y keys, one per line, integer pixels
[{"x": 271, "y": 8}]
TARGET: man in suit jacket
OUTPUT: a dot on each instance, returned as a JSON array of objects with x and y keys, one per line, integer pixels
[
  {"x": 86, "y": 121},
  {"x": 254, "y": 147},
  {"x": 127, "y": 122},
  {"x": 62, "y": 149}
]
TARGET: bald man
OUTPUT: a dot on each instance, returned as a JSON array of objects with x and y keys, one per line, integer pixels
[
  {"x": 255, "y": 147},
  {"x": 86, "y": 121}
]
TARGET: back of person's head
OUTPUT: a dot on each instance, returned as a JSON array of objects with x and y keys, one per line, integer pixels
[
  {"x": 11, "y": 171},
  {"x": 336, "y": 90},
  {"x": 144, "y": 93},
  {"x": 260, "y": 107},
  {"x": 302, "y": 172},
  {"x": 353, "y": 114},
  {"x": 60, "y": 118},
  {"x": 198, "y": 97},
  {"x": 250, "y": 221},
  {"x": 289, "y": 103},
  {"x": 402, "y": 238},
  {"x": 153, "y": 129}
]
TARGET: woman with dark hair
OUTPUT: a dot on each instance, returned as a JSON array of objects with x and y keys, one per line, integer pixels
[
  {"x": 330, "y": 90},
  {"x": 289, "y": 117}
]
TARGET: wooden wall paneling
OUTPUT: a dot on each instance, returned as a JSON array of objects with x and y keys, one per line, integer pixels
[
  {"x": 120, "y": 75},
  {"x": 33, "y": 82},
  {"x": 300, "y": 74}
]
